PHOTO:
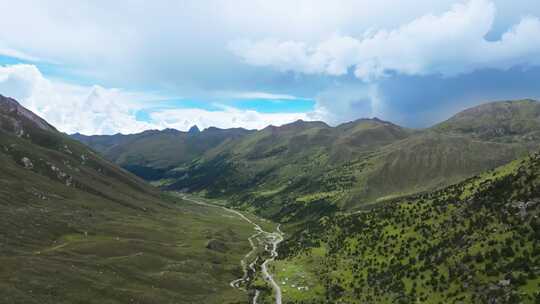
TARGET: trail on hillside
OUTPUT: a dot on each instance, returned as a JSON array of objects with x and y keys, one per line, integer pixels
[{"x": 269, "y": 241}]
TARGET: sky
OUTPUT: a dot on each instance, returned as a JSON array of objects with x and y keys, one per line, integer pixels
[{"x": 106, "y": 67}]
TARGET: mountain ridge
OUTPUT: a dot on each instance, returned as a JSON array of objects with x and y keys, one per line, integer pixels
[
  {"x": 11, "y": 108},
  {"x": 347, "y": 166},
  {"x": 509, "y": 121},
  {"x": 347, "y": 196},
  {"x": 75, "y": 227}
]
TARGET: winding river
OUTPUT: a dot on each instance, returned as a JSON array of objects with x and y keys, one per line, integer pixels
[
  {"x": 274, "y": 239},
  {"x": 277, "y": 237}
]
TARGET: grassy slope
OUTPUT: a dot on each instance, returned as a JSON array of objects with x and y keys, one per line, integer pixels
[
  {"x": 431, "y": 160},
  {"x": 458, "y": 244},
  {"x": 77, "y": 229},
  {"x": 281, "y": 171},
  {"x": 506, "y": 121},
  {"x": 288, "y": 162},
  {"x": 158, "y": 150}
]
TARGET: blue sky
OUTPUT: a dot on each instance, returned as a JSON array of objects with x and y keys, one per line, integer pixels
[
  {"x": 300, "y": 105},
  {"x": 101, "y": 68}
]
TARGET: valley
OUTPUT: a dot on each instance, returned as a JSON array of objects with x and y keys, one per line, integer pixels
[
  {"x": 310, "y": 168},
  {"x": 264, "y": 247},
  {"x": 372, "y": 212},
  {"x": 270, "y": 152},
  {"x": 382, "y": 214},
  {"x": 78, "y": 229}
]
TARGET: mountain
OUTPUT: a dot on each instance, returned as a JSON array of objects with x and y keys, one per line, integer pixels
[
  {"x": 431, "y": 160},
  {"x": 193, "y": 130},
  {"x": 149, "y": 154},
  {"x": 31, "y": 142},
  {"x": 477, "y": 241},
  {"x": 76, "y": 228},
  {"x": 281, "y": 171},
  {"x": 279, "y": 168},
  {"x": 373, "y": 212},
  {"x": 310, "y": 168},
  {"x": 505, "y": 121}
]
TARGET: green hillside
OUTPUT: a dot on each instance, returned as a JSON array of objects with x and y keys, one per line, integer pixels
[
  {"x": 505, "y": 121},
  {"x": 282, "y": 168},
  {"x": 432, "y": 160},
  {"x": 477, "y": 241},
  {"x": 151, "y": 153},
  {"x": 281, "y": 171},
  {"x": 373, "y": 212},
  {"x": 78, "y": 229}
]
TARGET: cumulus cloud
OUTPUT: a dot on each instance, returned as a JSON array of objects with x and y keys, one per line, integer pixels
[
  {"x": 347, "y": 102},
  {"x": 228, "y": 117},
  {"x": 71, "y": 108},
  {"x": 171, "y": 44},
  {"x": 170, "y": 47},
  {"x": 450, "y": 43},
  {"x": 99, "y": 110}
]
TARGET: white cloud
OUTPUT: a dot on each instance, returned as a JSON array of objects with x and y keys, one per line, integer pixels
[
  {"x": 9, "y": 52},
  {"x": 257, "y": 95},
  {"x": 171, "y": 43},
  {"x": 71, "y": 108},
  {"x": 450, "y": 43},
  {"x": 348, "y": 102},
  {"x": 98, "y": 110},
  {"x": 169, "y": 46},
  {"x": 183, "y": 119}
]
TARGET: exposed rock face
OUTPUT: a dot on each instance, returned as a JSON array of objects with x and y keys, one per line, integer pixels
[
  {"x": 216, "y": 245},
  {"x": 12, "y": 111},
  {"x": 27, "y": 163},
  {"x": 194, "y": 130},
  {"x": 61, "y": 175}
]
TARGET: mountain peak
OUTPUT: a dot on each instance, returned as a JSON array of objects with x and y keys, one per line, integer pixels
[
  {"x": 509, "y": 120},
  {"x": 366, "y": 122},
  {"x": 194, "y": 130},
  {"x": 17, "y": 115},
  {"x": 302, "y": 124}
]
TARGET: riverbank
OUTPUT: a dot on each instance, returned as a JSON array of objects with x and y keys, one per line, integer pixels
[{"x": 264, "y": 246}]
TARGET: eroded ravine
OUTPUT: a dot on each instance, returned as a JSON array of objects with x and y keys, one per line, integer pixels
[{"x": 269, "y": 241}]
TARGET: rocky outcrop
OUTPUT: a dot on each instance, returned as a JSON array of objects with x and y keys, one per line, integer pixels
[
  {"x": 12, "y": 111},
  {"x": 216, "y": 245}
]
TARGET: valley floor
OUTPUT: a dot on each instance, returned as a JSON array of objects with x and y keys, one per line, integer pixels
[
  {"x": 257, "y": 279},
  {"x": 184, "y": 253}
]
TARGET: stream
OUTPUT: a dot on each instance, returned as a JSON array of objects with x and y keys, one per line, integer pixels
[{"x": 270, "y": 240}]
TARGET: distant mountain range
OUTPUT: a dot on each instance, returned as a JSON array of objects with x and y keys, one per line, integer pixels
[
  {"x": 280, "y": 171},
  {"x": 152, "y": 153}
]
